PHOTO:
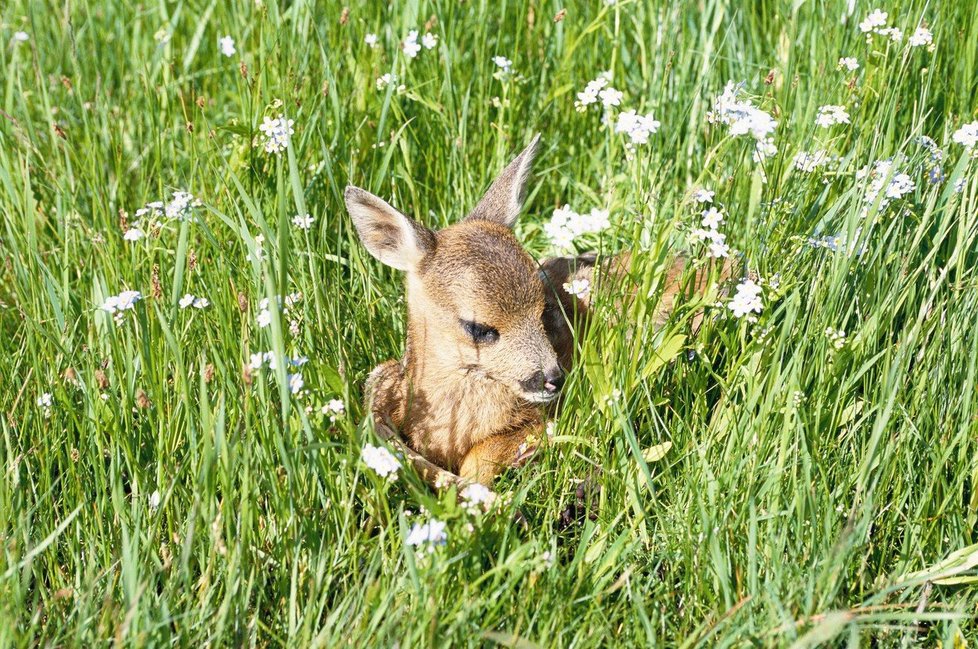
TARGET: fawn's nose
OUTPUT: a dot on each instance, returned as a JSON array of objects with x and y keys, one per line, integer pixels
[
  {"x": 550, "y": 381},
  {"x": 553, "y": 380}
]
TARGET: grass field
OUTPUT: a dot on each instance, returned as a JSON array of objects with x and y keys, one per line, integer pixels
[{"x": 798, "y": 475}]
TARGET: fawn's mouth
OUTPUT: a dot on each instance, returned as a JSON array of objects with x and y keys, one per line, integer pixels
[{"x": 540, "y": 396}]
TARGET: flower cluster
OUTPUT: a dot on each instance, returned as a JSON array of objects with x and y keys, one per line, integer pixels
[
  {"x": 966, "y": 136},
  {"x": 566, "y": 225},
  {"x": 303, "y": 221},
  {"x": 261, "y": 360},
  {"x": 884, "y": 179},
  {"x": 637, "y": 127},
  {"x": 380, "y": 460},
  {"x": 743, "y": 118},
  {"x": 838, "y": 242},
  {"x": 411, "y": 47},
  {"x": 876, "y": 23},
  {"x": 388, "y": 79},
  {"x": 831, "y": 115},
  {"x": 477, "y": 497},
  {"x": 921, "y": 37},
  {"x": 265, "y": 315},
  {"x": 935, "y": 173},
  {"x": 504, "y": 68},
  {"x": 333, "y": 409},
  {"x": 45, "y": 402},
  {"x": 189, "y": 300},
  {"x": 598, "y": 89},
  {"x": 710, "y": 220},
  {"x": 428, "y": 535},
  {"x": 848, "y": 63},
  {"x": 747, "y": 299},
  {"x": 117, "y": 305},
  {"x": 182, "y": 206},
  {"x": 836, "y": 336},
  {"x": 277, "y": 133},
  {"x": 809, "y": 162}
]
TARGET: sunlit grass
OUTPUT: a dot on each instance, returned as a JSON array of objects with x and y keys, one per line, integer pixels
[{"x": 762, "y": 482}]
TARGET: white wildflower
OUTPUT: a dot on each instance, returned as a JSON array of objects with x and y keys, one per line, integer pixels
[
  {"x": 742, "y": 118},
  {"x": 154, "y": 500},
  {"x": 637, "y": 127},
  {"x": 873, "y": 21},
  {"x": 703, "y": 195},
  {"x": 848, "y": 63},
  {"x": 967, "y": 135},
  {"x": 579, "y": 288},
  {"x": 900, "y": 185},
  {"x": 565, "y": 225},
  {"x": 296, "y": 383},
  {"x": 302, "y": 221},
  {"x": 117, "y": 305},
  {"x": 429, "y": 40},
  {"x": 201, "y": 303},
  {"x": 21, "y": 37},
  {"x": 747, "y": 299},
  {"x": 186, "y": 301},
  {"x": 764, "y": 149},
  {"x": 611, "y": 97},
  {"x": 227, "y": 46},
  {"x": 921, "y": 36},
  {"x": 475, "y": 496},
  {"x": 893, "y": 33},
  {"x": 502, "y": 63},
  {"x": 277, "y": 132},
  {"x": 380, "y": 460},
  {"x": 836, "y": 336},
  {"x": 809, "y": 162},
  {"x": 410, "y": 45},
  {"x": 133, "y": 234},
  {"x": 370, "y": 39},
  {"x": 428, "y": 534},
  {"x": 830, "y": 115},
  {"x": 589, "y": 95},
  {"x": 712, "y": 218},
  {"x": 333, "y": 409},
  {"x": 264, "y": 318}
]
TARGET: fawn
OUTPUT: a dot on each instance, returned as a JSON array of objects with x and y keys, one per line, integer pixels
[{"x": 490, "y": 332}]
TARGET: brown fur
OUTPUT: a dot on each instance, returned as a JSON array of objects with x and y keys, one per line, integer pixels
[{"x": 464, "y": 406}]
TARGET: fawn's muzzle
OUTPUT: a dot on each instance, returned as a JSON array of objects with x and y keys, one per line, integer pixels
[{"x": 549, "y": 382}]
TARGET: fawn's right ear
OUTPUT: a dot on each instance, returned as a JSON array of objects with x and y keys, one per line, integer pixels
[{"x": 393, "y": 238}]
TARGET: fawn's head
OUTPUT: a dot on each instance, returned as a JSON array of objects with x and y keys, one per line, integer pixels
[{"x": 475, "y": 296}]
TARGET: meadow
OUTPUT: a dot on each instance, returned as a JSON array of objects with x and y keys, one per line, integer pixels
[{"x": 187, "y": 318}]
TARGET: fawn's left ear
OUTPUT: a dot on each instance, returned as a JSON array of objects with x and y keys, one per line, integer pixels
[{"x": 504, "y": 199}]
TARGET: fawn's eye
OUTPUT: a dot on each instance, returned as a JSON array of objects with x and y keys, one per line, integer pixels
[{"x": 481, "y": 334}]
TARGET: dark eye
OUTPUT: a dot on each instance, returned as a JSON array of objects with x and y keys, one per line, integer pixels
[{"x": 481, "y": 334}]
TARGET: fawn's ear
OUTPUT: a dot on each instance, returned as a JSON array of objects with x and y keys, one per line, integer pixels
[
  {"x": 504, "y": 199},
  {"x": 393, "y": 238}
]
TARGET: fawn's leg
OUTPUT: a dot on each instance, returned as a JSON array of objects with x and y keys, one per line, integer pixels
[{"x": 494, "y": 454}]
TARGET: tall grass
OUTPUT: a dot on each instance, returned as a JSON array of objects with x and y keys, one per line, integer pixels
[{"x": 749, "y": 483}]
